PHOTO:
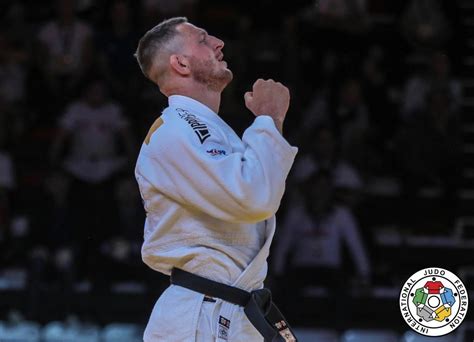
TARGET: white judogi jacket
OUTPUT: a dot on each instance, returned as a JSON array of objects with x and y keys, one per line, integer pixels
[{"x": 210, "y": 200}]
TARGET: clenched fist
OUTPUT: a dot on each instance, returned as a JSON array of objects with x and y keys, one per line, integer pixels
[{"x": 269, "y": 98}]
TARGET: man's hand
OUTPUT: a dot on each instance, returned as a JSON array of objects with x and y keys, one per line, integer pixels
[{"x": 269, "y": 98}]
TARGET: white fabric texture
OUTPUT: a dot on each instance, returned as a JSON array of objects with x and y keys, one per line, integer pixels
[{"x": 210, "y": 200}]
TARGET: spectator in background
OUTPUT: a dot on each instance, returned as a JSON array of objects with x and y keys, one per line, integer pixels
[
  {"x": 100, "y": 147},
  {"x": 16, "y": 43},
  {"x": 65, "y": 50},
  {"x": 268, "y": 50},
  {"x": 351, "y": 120},
  {"x": 437, "y": 75},
  {"x": 429, "y": 148},
  {"x": 424, "y": 24},
  {"x": 322, "y": 154},
  {"x": 314, "y": 233},
  {"x": 7, "y": 184},
  {"x": 7, "y": 178},
  {"x": 12, "y": 72},
  {"x": 339, "y": 24},
  {"x": 309, "y": 250},
  {"x": 51, "y": 263},
  {"x": 345, "y": 112},
  {"x": 350, "y": 15},
  {"x": 322, "y": 97},
  {"x": 116, "y": 47},
  {"x": 16, "y": 236},
  {"x": 379, "y": 96},
  {"x": 342, "y": 15}
]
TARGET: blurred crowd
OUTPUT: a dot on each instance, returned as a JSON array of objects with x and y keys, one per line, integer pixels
[{"x": 375, "y": 109}]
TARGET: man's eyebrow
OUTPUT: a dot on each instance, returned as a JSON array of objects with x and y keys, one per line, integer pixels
[{"x": 203, "y": 32}]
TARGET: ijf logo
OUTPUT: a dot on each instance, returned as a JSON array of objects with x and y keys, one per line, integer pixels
[{"x": 434, "y": 301}]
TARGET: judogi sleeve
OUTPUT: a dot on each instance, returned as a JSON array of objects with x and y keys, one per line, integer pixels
[{"x": 243, "y": 187}]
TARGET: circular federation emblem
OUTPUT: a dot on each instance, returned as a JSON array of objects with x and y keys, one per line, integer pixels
[{"x": 434, "y": 302}]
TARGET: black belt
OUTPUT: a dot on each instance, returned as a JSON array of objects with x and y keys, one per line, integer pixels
[{"x": 258, "y": 305}]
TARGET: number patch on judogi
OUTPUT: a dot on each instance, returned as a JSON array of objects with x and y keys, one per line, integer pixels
[{"x": 224, "y": 325}]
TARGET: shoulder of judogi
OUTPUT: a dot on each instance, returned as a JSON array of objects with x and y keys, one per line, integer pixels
[
  {"x": 158, "y": 133},
  {"x": 179, "y": 128}
]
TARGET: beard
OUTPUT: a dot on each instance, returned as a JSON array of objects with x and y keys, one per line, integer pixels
[{"x": 206, "y": 72}]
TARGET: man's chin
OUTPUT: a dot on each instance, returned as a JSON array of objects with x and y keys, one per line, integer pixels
[
  {"x": 226, "y": 78},
  {"x": 217, "y": 81},
  {"x": 230, "y": 75}
]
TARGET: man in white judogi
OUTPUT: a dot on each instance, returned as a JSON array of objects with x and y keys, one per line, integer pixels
[{"x": 210, "y": 197}]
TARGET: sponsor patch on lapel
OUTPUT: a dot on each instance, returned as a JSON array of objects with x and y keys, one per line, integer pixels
[
  {"x": 199, "y": 127},
  {"x": 224, "y": 326}
]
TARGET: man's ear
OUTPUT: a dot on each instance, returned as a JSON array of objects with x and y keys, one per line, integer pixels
[{"x": 180, "y": 64}]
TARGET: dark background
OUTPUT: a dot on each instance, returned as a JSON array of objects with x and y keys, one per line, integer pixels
[{"x": 385, "y": 87}]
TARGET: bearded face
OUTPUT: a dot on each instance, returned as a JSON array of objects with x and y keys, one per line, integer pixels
[
  {"x": 203, "y": 53},
  {"x": 211, "y": 72}
]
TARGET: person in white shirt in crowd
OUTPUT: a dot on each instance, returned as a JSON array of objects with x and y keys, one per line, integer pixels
[
  {"x": 115, "y": 47},
  {"x": 65, "y": 49},
  {"x": 93, "y": 146},
  {"x": 309, "y": 249},
  {"x": 210, "y": 196}
]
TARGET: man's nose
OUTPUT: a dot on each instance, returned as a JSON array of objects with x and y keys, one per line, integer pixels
[{"x": 218, "y": 43}]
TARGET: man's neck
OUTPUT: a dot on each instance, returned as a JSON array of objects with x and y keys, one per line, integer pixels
[{"x": 211, "y": 99}]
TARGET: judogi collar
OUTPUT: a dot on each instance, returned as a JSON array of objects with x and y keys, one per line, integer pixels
[{"x": 181, "y": 101}]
